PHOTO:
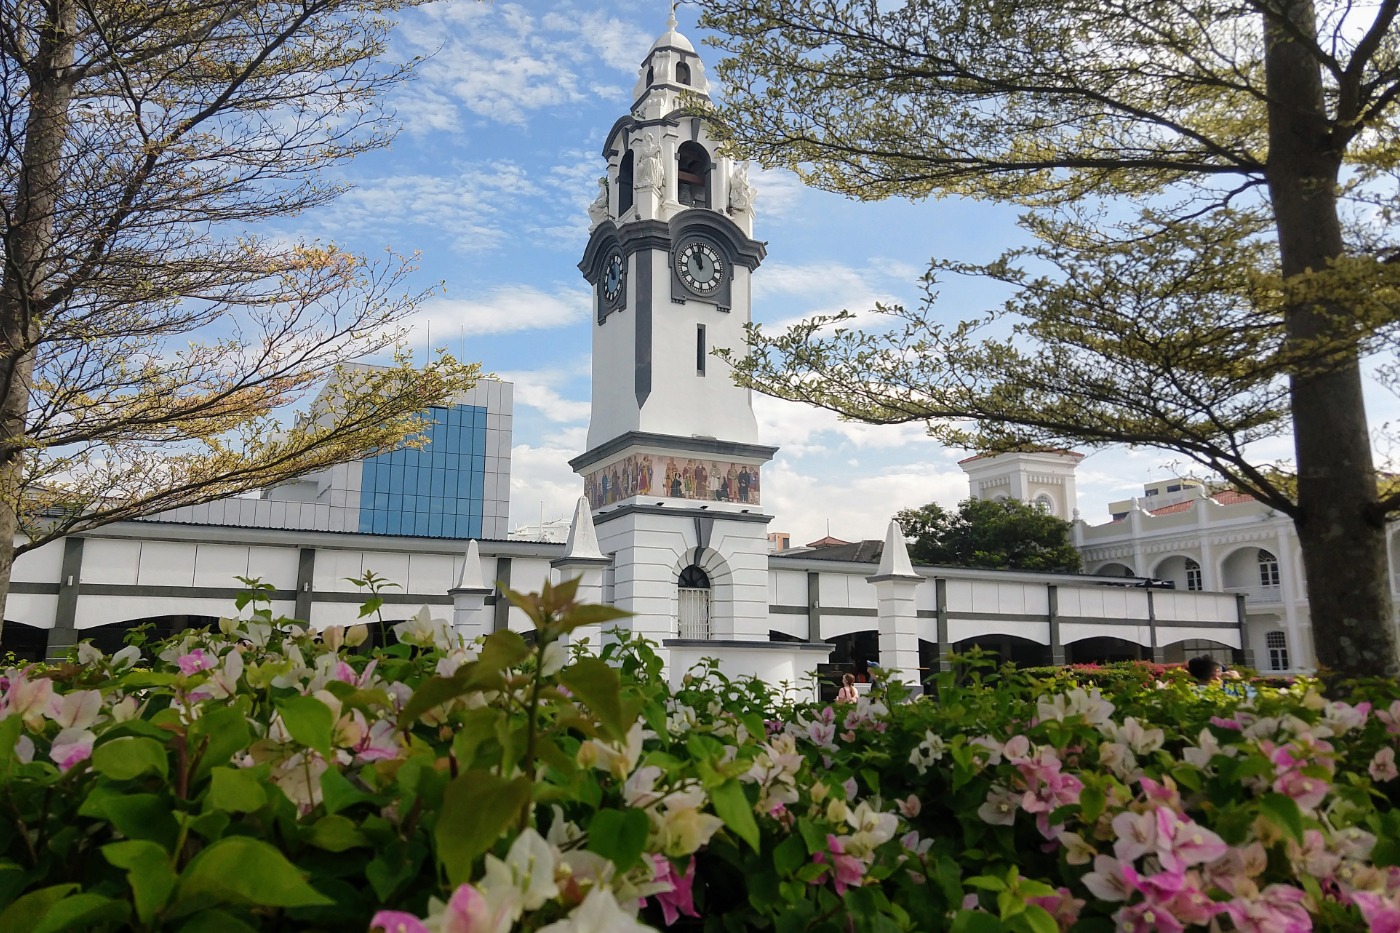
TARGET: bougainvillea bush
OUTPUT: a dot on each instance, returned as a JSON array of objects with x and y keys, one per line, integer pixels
[{"x": 267, "y": 777}]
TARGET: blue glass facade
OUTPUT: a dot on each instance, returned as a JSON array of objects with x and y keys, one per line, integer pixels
[{"x": 438, "y": 491}]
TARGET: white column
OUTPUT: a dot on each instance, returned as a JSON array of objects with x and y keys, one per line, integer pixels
[
  {"x": 583, "y": 560},
  {"x": 895, "y": 582},
  {"x": 470, "y": 617}
]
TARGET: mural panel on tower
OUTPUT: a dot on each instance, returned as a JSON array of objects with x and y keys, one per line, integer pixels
[{"x": 672, "y": 478}]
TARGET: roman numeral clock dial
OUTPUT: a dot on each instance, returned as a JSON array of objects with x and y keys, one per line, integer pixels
[{"x": 700, "y": 267}]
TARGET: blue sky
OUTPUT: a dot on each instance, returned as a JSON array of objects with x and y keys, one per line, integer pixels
[{"x": 489, "y": 181}]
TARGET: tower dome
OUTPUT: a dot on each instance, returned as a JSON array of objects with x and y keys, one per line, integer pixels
[{"x": 672, "y": 38}]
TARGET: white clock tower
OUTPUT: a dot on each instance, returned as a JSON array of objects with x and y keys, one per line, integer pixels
[{"x": 673, "y": 463}]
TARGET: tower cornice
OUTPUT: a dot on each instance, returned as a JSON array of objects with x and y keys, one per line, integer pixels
[{"x": 697, "y": 445}]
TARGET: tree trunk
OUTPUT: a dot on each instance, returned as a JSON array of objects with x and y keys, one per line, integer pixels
[
  {"x": 29, "y": 256},
  {"x": 1340, "y": 529}
]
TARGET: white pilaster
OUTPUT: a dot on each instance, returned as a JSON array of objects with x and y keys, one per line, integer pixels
[
  {"x": 470, "y": 617},
  {"x": 895, "y": 582},
  {"x": 583, "y": 560}
]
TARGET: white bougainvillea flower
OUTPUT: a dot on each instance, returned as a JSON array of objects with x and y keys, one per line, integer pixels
[
  {"x": 599, "y": 913},
  {"x": 1078, "y": 702},
  {"x": 76, "y": 710},
  {"x": 872, "y": 829},
  {"x": 528, "y": 872},
  {"x": 425, "y": 631},
  {"x": 553, "y": 658}
]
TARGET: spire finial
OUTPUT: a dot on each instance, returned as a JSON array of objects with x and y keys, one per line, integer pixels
[{"x": 671, "y": 17}]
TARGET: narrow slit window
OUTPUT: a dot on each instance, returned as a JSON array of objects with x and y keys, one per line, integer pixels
[{"x": 700, "y": 349}]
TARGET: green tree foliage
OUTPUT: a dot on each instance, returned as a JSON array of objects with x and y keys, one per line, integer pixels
[
  {"x": 1004, "y": 534},
  {"x": 148, "y": 333},
  {"x": 1211, "y": 188}
]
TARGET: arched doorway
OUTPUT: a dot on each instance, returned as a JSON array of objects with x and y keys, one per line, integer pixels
[
  {"x": 25, "y": 642},
  {"x": 111, "y": 637},
  {"x": 1007, "y": 649},
  {"x": 1102, "y": 651}
]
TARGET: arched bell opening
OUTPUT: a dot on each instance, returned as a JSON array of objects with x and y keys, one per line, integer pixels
[{"x": 693, "y": 175}]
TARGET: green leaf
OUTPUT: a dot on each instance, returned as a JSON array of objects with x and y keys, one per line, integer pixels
[
  {"x": 237, "y": 790},
  {"x": 619, "y": 835},
  {"x": 1283, "y": 812},
  {"x": 503, "y": 649},
  {"x": 148, "y": 871},
  {"x": 1037, "y": 919},
  {"x": 243, "y": 870},
  {"x": 476, "y": 808},
  {"x": 336, "y": 834},
  {"x": 732, "y": 805},
  {"x": 220, "y": 733},
  {"x": 215, "y": 921},
  {"x": 477, "y": 726},
  {"x": 126, "y": 758},
  {"x": 975, "y": 921},
  {"x": 26, "y": 911},
  {"x": 589, "y": 614},
  {"x": 986, "y": 883},
  {"x": 596, "y": 683},
  {"x": 309, "y": 721},
  {"x": 337, "y": 793},
  {"x": 1091, "y": 803},
  {"x": 790, "y": 854},
  {"x": 136, "y": 816},
  {"x": 80, "y": 913},
  {"x": 9, "y": 737}
]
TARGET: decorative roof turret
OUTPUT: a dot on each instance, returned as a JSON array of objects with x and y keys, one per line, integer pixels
[{"x": 671, "y": 69}]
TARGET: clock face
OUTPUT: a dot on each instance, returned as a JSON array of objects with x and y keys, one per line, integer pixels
[
  {"x": 700, "y": 267},
  {"x": 614, "y": 274}
]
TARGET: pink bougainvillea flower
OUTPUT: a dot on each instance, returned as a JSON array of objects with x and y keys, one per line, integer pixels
[
  {"x": 846, "y": 871},
  {"x": 196, "y": 661},
  {"x": 679, "y": 898},
  {"x": 1307, "y": 791},
  {"x": 396, "y": 921},
  {"x": 1136, "y": 834},
  {"x": 1145, "y": 917},
  {"x": 1183, "y": 843},
  {"x": 28, "y": 699},
  {"x": 1391, "y": 718},
  {"x": 71, "y": 747},
  {"x": 470, "y": 911},
  {"x": 1106, "y": 881},
  {"x": 1382, "y": 766},
  {"x": 1381, "y": 913},
  {"x": 1000, "y": 807},
  {"x": 1231, "y": 724},
  {"x": 380, "y": 743},
  {"x": 1278, "y": 908},
  {"x": 1062, "y": 905}
]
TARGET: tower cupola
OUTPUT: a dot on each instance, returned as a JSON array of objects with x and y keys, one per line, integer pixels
[{"x": 671, "y": 69}]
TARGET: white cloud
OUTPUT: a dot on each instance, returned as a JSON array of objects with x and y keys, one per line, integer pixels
[
  {"x": 472, "y": 205},
  {"x": 501, "y": 63},
  {"x": 541, "y": 481},
  {"x": 541, "y": 390},
  {"x": 779, "y": 192},
  {"x": 857, "y": 507},
  {"x": 506, "y": 309},
  {"x": 801, "y": 429}
]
